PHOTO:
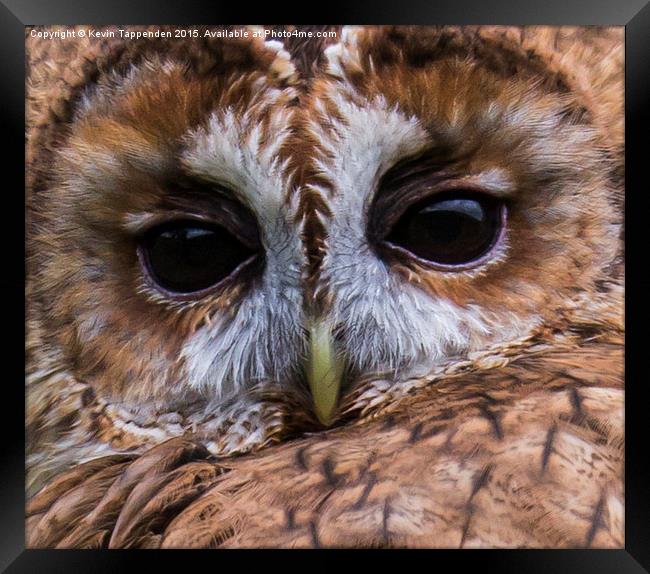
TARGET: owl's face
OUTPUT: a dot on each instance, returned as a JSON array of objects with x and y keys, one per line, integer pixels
[{"x": 218, "y": 230}]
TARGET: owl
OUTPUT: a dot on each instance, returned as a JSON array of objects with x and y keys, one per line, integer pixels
[{"x": 325, "y": 287}]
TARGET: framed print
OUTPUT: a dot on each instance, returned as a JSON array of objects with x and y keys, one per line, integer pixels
[{"x": 351, "y": 285}]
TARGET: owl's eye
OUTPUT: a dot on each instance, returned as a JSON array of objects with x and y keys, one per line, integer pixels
[
  {"x": 186, "y": 257},
  {"x": 450, "y": 230}
]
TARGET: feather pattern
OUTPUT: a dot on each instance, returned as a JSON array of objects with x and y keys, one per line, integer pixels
[{"x": 477, "y": 405}]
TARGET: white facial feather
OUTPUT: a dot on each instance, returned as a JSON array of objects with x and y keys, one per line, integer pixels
[{"x": 265, "y": 337}]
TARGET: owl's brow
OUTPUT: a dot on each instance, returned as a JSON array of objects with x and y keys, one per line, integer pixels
[
  {"x": 201, "y": 200},
  {"x": 438, "y": 168},
  {"x": 411, "y": 182}
]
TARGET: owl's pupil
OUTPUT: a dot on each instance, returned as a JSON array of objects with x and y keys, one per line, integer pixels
[
  {"x": 185, "y": 258},
  {"x": 449, "y": 231}
]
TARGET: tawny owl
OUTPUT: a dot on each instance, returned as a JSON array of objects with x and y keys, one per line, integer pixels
[{"x": 325, "y": 287}]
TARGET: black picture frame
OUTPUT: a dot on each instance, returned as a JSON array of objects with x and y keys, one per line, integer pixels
[{"x": 16, "y": 14}]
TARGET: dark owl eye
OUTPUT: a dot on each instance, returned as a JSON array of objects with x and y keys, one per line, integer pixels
[
  {"x": 185, "y": 257},
  {"x": 450, "y": 230}
]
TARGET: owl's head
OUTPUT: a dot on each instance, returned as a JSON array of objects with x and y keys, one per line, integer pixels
[{"x": 218, "y": 224}]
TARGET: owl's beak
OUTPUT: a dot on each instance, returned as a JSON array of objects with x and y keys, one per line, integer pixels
[{"x": 324, "y": 371}]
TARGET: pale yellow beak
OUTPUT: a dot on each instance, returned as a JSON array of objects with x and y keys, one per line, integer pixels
[{"x": 324, "y": 371}]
